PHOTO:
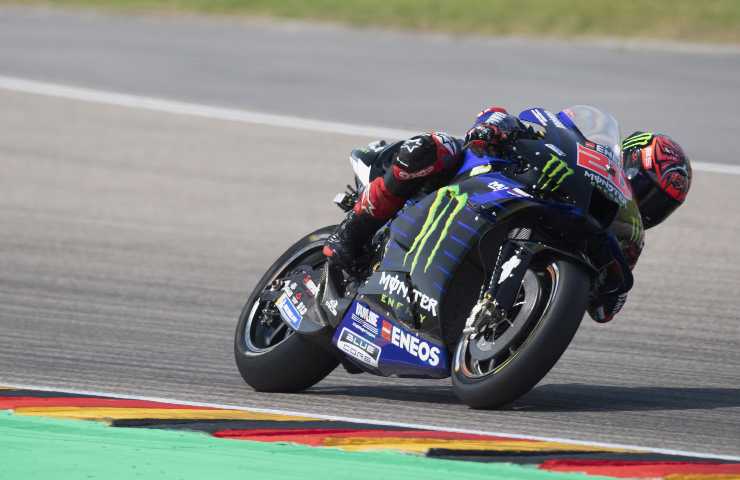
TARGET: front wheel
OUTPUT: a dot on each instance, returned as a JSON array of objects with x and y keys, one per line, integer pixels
[
  {"x": 270, "y": 357},
  {"x": 505, "y": 360}
]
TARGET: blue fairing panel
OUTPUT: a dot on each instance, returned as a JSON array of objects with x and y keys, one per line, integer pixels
[
  {"x": 534, "y": 115},
  {"x": 567, "y": 120},
  {"x": 471, "y": 162},
  {"x": 377, "y": 343},
  {"x": 546, "y": 118}
]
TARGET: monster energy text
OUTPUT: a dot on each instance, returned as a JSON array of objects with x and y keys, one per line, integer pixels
[{"x": 398, "y": 288}]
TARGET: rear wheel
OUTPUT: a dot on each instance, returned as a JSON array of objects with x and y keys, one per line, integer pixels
[
  {"x": 504, "y": 360},
  {"x": 269, "y": 356}
]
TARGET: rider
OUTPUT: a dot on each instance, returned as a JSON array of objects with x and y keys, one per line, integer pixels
[{"x": 657, "y": 168}]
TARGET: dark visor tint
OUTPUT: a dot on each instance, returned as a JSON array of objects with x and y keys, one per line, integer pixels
[{"x": 655, "y": 205}]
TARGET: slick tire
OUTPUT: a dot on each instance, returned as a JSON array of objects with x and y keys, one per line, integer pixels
[
  {"x": 557, "y": 324},
  {"x": 294, "y": 363}
]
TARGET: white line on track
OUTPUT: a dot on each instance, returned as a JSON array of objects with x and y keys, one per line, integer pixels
[
  {"x": 196, "y": 110},
  {"x": 237, "y": 115},
  {"x": 376, "y": 422}
]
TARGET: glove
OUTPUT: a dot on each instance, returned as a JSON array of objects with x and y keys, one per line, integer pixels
[{"x": 498, "y": 131}]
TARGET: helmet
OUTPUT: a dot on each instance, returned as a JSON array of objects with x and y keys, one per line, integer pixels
[{"x": 659, "y": 172}]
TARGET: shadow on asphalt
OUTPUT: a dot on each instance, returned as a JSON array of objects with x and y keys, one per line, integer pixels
[
  {"x": 572, "y": 397},
  {"x": 579, "y": 397}
]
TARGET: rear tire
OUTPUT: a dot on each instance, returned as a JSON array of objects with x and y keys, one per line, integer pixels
[
  {"x": 274, "y": 359},
  {"x": 551, "y": 333}
]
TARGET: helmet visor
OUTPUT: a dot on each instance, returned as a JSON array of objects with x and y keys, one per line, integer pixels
[{"x": 655, "y": 205}]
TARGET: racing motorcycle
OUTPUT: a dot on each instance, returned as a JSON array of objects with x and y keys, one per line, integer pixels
[{"x": 485, "y": 279}]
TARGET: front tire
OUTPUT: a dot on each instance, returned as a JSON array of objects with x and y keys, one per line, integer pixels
[
  {"x": 269, "y": 356},
  {"x": 557, "y": 299}
]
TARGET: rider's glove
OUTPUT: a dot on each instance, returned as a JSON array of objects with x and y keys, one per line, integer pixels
[
  {"x": 604, "y": 308},
  {"x": 498, "y": 131}
]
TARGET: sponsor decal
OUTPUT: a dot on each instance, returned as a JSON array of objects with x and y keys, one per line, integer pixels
[
  {"x": 497, "y": 186},
  {"x": 310, "y": 285},
  {"x": 391, "y": 301},
  {"x": 480, "y": 169},
  {"x": 518, "y": 192},
  {"x": 397, "y": 287},
  {"x": 365, "y": 320},
  {"x": 404, "y": 175},
  {"x": 496, "y": 117},
  {"x": 387, "y": 330},
  {"x": 448, "y": 202},
  {"x": 332, "y": 305},
  {"x": 447, "y": 142},
  {"x": 555, "y": 149},
  {"x": 607, "y": 175},
  {"x": 541, "y": 118},
  {"x": 508, "y": 267},
  {"x": 603, "y": 150},
  {"x": 555, "y": 171},
  {"x": 647, "y": 158},
  {"x": 366, "y": 315},
  {"x": 295, "y": 297},
  {"x": 606, "y": 187},
  {"x": 639, "y": 140},
  {"x": 358, "y": 347},
  {"x": 411, "y": 144},
  {"x": 288, "y": 311},
  {"x": 413, "y": 345},
  {"x": 555, "y": 120}
]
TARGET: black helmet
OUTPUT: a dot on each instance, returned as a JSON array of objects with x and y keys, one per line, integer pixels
[{"x": 659, "y": 172}]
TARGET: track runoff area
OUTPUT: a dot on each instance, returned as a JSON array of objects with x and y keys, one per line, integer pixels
[
  {"x": 83, "y": 434},
  {"x": 48, "y": 412}
]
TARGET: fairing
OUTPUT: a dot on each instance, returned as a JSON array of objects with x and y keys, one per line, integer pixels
[{"x": 395, "y": 324}]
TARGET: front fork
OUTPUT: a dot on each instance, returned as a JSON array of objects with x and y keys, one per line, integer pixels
[{"x": 499, "y": 294}]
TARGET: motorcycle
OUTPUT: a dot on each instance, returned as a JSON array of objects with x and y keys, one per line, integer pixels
[{"x": 485, "y": 279}]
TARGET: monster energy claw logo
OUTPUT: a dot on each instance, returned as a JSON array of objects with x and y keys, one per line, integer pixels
[
  {"x": 554, "y": 172},
  {"x": 638, "y": 140},
  {"x": 456, "y": 202}
]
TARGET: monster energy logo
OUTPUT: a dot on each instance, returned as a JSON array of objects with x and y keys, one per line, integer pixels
[
  {"x": 456, "y": 202},
  {"x": 639, "y": 140},
  {"x": 554, "y": 172}
]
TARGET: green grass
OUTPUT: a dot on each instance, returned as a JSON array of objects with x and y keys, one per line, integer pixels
[{"x": 687, "y": 20}]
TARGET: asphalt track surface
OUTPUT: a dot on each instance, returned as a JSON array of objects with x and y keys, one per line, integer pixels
[{"x": 129, "y": 239}]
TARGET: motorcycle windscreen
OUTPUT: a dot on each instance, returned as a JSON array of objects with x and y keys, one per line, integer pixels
[{"x": 597, "y": 126}]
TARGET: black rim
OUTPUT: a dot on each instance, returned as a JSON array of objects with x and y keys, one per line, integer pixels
[
  {"x": 494, "y": 345},
  {"x": 264, "y": 329}
]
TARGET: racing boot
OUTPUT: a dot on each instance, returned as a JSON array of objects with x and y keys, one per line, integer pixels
[{"x": 345, "y": 246}]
